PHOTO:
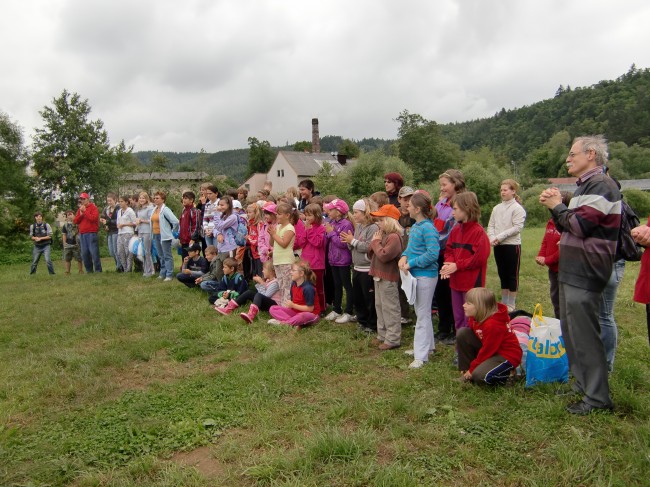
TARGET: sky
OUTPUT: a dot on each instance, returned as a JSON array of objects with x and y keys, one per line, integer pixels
[{"x": 207, "y": 74}]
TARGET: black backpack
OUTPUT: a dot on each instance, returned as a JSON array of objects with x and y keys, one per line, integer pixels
[{"x": 627, "y": 248}]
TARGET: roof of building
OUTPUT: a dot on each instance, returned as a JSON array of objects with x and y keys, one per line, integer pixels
[{"x": 308, "y": 164}]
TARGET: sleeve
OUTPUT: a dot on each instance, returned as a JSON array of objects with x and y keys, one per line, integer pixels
[
  {"x": 518, "y": 220},
  {"x": 493, "y": 334},
  {"x": 333, "y": 236},
  {"x": 241, "y": 285},
  {"x": 92, "y": 213},
  {"x": 169, "y": 214},
  {"x": 583, "y": 220},
  {"x": 390, "y": 250},
  {"x": 543, "y": 248},
  {"x": 309, "y": 293},
  {"x": 78, "y": 217},
  {"x": 31, "y": 230},
  {"x": 450, "y": 255},
  {"x": 491, "y": 228},
  {"x": 301, "y": 235},
  {"x": 552, "y": 251},
  {"x": 363, "y": 245},
  {"x": 196, "y": 225},
  {"x": 271, "y": 288},
  {"x": 316, "y": 236}
]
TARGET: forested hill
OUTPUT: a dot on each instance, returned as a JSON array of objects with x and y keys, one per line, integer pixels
[
  {"x": 232, "y": 163},
  {"x": 620, "y": 109}
]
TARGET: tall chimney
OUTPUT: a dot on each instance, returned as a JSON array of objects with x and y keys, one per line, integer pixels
[{"x": 315, "y": 137}]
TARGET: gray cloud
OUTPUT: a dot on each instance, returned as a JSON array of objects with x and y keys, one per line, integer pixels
[{"x": 203, "y": 74}]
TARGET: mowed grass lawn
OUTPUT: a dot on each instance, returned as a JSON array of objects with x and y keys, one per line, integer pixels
[{"x": 111, "y": 379}]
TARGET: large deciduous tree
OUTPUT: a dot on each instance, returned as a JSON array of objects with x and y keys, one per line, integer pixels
[
  {"x": 422, "y": 146},
  {"x": 71, "y": 153},
  {"x": 16, "y": 202},
  {"x": 260, "y": 156}
]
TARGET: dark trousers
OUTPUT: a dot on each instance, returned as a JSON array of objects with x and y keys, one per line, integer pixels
[
  {"x": 492, "y": 371},
  {"x": 187, "y": 279},
  {"x": 579, "y": 309},
  {"x": 508, "y": 258},
  {"x": 363, "y": 292},
  {"x": 341, "y": 278},
  {"x": 443, "y": 298},
  {"x": 264, "y": 303},
  {"x": 555, "y": 292}
]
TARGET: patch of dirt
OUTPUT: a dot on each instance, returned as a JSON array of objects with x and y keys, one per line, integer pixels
[{"x": 202, "y": 460}]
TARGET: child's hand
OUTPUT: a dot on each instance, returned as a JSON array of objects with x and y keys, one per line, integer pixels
[
  {"x": 198, "y": 280},
  {"x": 258, "y": 279},
  {"x": 185, "y": 259},
  {"x": 467, "y": 376},
  {"x": 187, "y": 271},
  {"x": 271, "y": 230},
  {"x": 288, "y": 304},
  {"x": 403, "y": 264},
  {"x": 226, "y": 294},
  {"x": 448, "y": 269},
  {"x": 540, "y": 260},
  {"x": 347, "y": 237},
  {"x": 220, "y": 238},
  {"x": 377, "y": 235},
  {"x": 328, "y": 228}
]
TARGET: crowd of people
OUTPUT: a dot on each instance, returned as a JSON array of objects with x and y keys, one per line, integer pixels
[{"x": 303, "y": 253}]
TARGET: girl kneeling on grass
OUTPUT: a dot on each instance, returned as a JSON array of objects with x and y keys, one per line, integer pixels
[
  {"x": 302, "y": 308},
  {"x": 488, "y": 351}
]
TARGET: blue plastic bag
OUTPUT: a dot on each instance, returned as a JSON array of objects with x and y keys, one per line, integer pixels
[{"x": 546, "y": 360}]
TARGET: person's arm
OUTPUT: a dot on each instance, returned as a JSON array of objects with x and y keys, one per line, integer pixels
[
  {"x": 430, "y": 237},
  {"x": 493, "y": 335},
  {"x": 479, "y": 255},
  {"x": 309, "y": 295},
  {"x": 64, "y": 235},
  {"x": 390, "y": 250},
  {"x": 195, "y": 227},
  {"x": 641, "y": 235},
  {"x": 334, "y": 237},
  {"x": 491, "y": 228},
  {"x": 286, "y": 238},
  {"x": 92, "y": 214},
  {"x": 270, "y": 288}
]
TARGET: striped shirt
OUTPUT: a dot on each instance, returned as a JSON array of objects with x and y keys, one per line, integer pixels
[{"x": 589, "y": 228}]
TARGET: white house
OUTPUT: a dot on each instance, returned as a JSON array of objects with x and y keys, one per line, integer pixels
[{"x": 289, "y": 168}]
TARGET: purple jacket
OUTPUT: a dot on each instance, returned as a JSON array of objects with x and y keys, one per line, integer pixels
[{"x": 338, "y": 253}]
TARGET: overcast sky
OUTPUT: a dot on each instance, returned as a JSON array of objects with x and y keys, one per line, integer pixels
[{"x": 185, "y": 75}]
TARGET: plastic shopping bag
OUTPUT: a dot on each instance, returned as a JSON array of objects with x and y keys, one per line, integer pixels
[{"x": 546, "y": 360}]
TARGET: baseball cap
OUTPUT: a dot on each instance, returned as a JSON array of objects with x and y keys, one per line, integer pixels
[{"x": 387, "y": 210}]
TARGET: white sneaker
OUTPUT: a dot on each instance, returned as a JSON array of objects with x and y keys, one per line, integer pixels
[
  {"x": 404, "y": 321},
  {"x": 416, "y": 364},
  {"x": 273, "y": 321},
  {"x": 410, "y": 353},
  {"x": 353, "y": 318},
  {"x": 167, "y": 279},
  {"x": 344, "y": 318},
  {"x": 332, "y": 316}
]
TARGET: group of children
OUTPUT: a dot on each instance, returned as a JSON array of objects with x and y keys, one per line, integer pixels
[{"x": 366, "y": 253}]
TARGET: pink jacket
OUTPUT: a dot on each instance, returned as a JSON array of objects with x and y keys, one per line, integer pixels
[
  {"x": 313, "y": 247},
  {"x": 264, "y": 246}
]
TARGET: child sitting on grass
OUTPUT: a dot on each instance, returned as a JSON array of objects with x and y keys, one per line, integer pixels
[
  {"x": 193, "y": 266},
  {"x": 231, "y": 285},
  {"x": 488, "y": 351},
  {"x": 302, "y": 308},
  {"x": 267, "y": 294},
  {"x": 208, "y": 281}
]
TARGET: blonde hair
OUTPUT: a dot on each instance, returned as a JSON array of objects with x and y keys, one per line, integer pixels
[
  {"x": 484, "y": 301},
  {"x": 269, "y": 267},
  {"x": 370, "y": 207},
  {"x": 514, "y": 186},
  {"x": 306, "y": 269},
  {"x": 455, "y": 177},
  {"x": 257, "y": 213},
  {"x": 291, "y": 192},
  {"x": 391, "y": 225},
  {"x": 146, "y": 196}
]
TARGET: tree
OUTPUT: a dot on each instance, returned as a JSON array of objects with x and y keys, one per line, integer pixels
[
  {"x": 71, "y": 153},
  {"x": 17, "y": 200},
  {"x": 422, "y": 146},
  {"x": 260, "y": 156},
  {"x": 159, "y": 163},
  {"x": 349, "y": 148},
  {"x": 302, "y": 146}
]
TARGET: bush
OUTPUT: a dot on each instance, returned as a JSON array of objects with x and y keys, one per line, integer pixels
[
  {"x": 639, "y": 201},
  {"x": 536, "y": 213}
]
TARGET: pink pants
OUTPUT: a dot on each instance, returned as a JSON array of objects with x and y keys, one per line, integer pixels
[{"x": 292, "y": 317}]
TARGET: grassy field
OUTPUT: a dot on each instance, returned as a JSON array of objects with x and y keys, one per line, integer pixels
[{"x": 112, "y": 379}]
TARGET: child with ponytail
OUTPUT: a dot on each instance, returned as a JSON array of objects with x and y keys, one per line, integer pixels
[{"x": 301, "y": 309}]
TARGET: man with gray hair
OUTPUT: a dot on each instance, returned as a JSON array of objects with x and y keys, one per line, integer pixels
[{"x": 589, "y": 227}]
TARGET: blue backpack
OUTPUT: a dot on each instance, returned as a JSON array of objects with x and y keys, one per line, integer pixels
[{"x": 241, "y": 232}]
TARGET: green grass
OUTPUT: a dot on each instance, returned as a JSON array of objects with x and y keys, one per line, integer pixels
[{"x": 108, "y": 379}]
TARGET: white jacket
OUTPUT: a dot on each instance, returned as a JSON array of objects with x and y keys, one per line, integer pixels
[{"x": 506, "y": 222}]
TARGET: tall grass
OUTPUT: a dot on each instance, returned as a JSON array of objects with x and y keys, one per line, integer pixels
[{"x": 106, "y": 377}]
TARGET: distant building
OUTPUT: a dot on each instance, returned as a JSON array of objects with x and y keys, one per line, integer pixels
[
  {"x": 255, "y": 182},
  {"x": 289, "y": 168},
  {"x": 165, "y": 181}
]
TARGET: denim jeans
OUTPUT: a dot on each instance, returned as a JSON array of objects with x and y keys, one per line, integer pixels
[
  {"x": 165, "y": 256},
  {"x": 112, "y": 248},
  {"x": 90, "y": 252},
  {"x": 608, "y": 329},
  {"x": 36, "y": 256}
]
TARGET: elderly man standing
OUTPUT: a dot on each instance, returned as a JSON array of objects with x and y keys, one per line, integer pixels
[
  {"x": 589, "y": 228},
  {"x": 87, "y": 218}
]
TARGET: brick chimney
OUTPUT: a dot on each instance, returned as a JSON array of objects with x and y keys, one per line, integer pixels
[{"x": 315, "y": 137}]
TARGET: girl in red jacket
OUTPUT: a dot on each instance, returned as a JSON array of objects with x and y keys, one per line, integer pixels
[
  {"x": 488, "y": 351},
  {"x": 466, "y": 254}
]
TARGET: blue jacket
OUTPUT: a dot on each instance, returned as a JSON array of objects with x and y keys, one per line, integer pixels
[
  {"x": 168, "y": 223},
  {"x": 423, "y": 249}
]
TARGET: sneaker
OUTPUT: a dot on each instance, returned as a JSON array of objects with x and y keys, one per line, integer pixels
[
  {"x": 410, "y": 353},
  {"x": 416, "y": 364},
  {"x": 353, "y": 318},
  {"x": 344, "y": 318},
  {"x": 332, "y": 316},
  {"x": 167, "y": 279},
  {"x": 161, "y": 277},
  {"x": 273, "y": 321},
  {"x": 405, "y": 321}
]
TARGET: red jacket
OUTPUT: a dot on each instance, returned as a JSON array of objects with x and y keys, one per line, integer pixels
[
  {"x": 190, "y": 225},
  {"x": 469, "y": 247},
  {"x": 88, "y": 221},
  {"x": 251, "y": 238},
  {"x": 496, "y": 338},
  {"x": 642, "y": 287},
  {"x": 550, "y": 248}
]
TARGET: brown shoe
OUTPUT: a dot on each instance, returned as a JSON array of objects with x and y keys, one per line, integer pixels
[
  {"x": 375, "y": 342},
  {"x": 387, "y": 346}
]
